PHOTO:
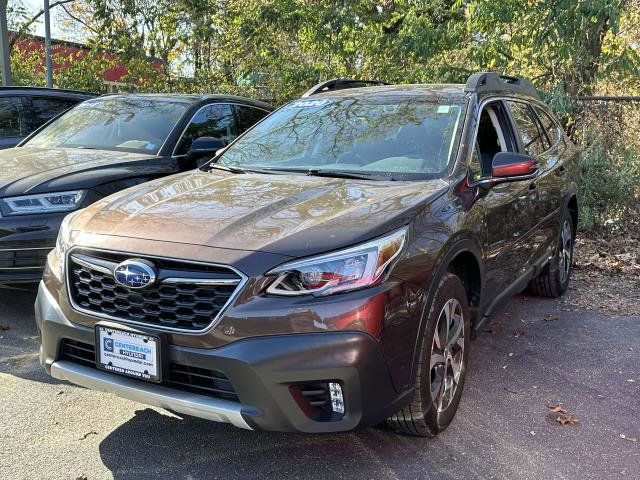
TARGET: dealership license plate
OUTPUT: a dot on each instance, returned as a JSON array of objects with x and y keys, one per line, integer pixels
[{"x": 128, "y": 353}]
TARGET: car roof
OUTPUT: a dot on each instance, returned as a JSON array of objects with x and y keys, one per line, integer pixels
[
  {"x": 191, "y": 98},
  {"x": 480, "y": 83},
  {"x": 45, "y": 91},
  {"x": 449, "y": 91}
]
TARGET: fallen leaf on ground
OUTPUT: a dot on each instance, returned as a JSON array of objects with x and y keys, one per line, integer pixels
[
  {"x": 567, "y": 419},
  {"x": 629, "y": 439},
  {"x": 551, "y": 317},
  {"x": 557, "y": 408},
  {"x": 519, "y": 333}
]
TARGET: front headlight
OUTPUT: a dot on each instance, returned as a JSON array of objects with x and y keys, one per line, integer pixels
[
  {"x": 357, "y": 267},
  {"x": 64, "y": 236},
  {"x": 43, "y": 203}
]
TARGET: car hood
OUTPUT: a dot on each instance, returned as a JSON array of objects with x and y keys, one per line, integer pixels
[
  {"x": 292, "y": 215},
  {"x": 33, "y": 170}
]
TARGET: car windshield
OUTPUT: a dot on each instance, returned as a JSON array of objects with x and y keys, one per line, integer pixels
[
  {"x": 373, "y": 137},
  {"x": 113, "y": 123}
]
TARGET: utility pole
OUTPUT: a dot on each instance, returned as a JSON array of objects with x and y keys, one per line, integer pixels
[
  {"x": 5, "y": 58},
  {"x": 47, "y": 43}
]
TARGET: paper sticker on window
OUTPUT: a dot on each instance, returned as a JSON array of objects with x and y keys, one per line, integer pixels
[{"x": 443, "y": 108}]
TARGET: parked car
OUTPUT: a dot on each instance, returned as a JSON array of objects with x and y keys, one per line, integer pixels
[
  {"x": 100, "y": 147},
  {"x": 24, "y": 109},
  {"x": 328, "y": 270}
]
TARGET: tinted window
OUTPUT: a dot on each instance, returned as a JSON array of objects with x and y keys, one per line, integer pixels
[
  {"x": 554, "y": 132},
  {"x": 46, "y": 108},
  {"x": 382, "y": 136},
  {"x": 248, "y": 116},
  {"x": 12, "y": 118},
  {"x": 215, "y": 121},
  {"x": 128, "y": 123},
  {"x": 533, "y": 140}
]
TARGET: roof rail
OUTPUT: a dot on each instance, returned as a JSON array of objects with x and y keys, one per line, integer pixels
[
  {"x": 494, "y": 82},
  {"x": 340, "y": 84}
]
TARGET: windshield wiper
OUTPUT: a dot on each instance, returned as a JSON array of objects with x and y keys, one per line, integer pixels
[
  {"x": 217, "y": 166},
  {"x": 227, "y": 168},
  {"x": 313, "y": 172}
]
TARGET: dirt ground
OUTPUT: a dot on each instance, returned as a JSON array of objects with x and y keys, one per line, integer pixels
[{"x": 606, "y": 275}]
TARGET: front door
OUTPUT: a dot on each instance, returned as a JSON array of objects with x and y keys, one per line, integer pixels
[{"x": 506, "y": 207}]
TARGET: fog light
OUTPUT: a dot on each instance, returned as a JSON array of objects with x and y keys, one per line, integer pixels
[{"x": 337, "y": 401}]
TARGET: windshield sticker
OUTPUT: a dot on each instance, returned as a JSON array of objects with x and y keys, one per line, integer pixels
[
  {"x": 444, "y": 109},
  {"x": 309, "y": 103}
]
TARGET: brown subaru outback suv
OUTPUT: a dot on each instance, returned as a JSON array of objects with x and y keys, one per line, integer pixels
[{"x": 329, "y": 268}]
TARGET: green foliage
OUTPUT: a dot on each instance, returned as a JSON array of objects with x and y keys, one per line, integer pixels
[
  {"x": 27, "y": 68},
  {"x": 276, "y": 49},
  {"x": 81, "y": 73},
  {"x": 609, "y": 186}
]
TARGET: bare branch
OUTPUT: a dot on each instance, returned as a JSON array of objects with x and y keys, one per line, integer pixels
[
  {"x": 78, "y": 19},
  {"x": 23, "y": 29}
]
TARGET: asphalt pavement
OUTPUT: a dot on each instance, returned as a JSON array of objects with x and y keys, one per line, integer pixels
[{"x": 588, "y": 362}]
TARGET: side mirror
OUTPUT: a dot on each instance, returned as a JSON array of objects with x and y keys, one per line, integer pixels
[
  {"x": 205, "y": 147},
  {"x": 512, "y": 167}
]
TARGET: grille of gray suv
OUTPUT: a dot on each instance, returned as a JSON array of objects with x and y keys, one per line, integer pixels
[{"x": 186, "y": 296}]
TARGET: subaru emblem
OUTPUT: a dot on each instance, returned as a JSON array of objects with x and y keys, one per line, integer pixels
[{"x": 135, "y": 274}]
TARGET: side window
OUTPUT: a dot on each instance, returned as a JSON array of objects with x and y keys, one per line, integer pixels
[
  {"x": 46, "y": 108},
  {"x": 554, "y": 132},
  {"x": 493, "y": 136},
  {"x": 248, "y": 116},
  {"x": 12, "y": 117},
  {"x": 533, "y": 139},
  {"x": 215, "y": 121}
]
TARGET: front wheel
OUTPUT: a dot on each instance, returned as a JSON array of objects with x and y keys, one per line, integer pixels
[
  {"x": 442, "y": 365},
  {"x": 553, "y": 281}
]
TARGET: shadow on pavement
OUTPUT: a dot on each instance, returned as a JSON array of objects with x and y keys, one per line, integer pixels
[
  {"x": 155, "y": 446},
  {"x": 19, "y": 341}
]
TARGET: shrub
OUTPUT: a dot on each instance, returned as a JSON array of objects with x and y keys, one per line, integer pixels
[{"x": 609, "y": 184}]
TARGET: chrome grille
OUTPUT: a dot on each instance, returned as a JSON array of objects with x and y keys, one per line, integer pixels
[{"x": 186, "y": 296}]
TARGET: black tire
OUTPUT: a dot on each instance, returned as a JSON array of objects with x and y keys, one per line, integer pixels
[
  {"x": 553, "y": 281},
  {"x": 422, "y": 417}
]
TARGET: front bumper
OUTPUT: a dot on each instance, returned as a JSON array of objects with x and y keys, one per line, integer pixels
[
  {"x": 263, "y": 371},
  {"x": 25, "y": 241}
]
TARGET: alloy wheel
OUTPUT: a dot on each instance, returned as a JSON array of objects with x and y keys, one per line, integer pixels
[
  {"x": 447, "y": 354},
  {"x": 566, "y": 244}
]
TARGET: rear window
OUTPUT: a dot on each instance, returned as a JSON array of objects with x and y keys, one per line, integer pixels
[
  {"x": 46, "y": 108},
  {"x": 534, "y": 141},
  {"x": 249, "y": 116},
  {"x": 12, "y": 118},
  {"x": 554, "y": 132}
]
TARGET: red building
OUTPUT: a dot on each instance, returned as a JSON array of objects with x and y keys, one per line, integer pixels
[{"x": 69, "y": 51}]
